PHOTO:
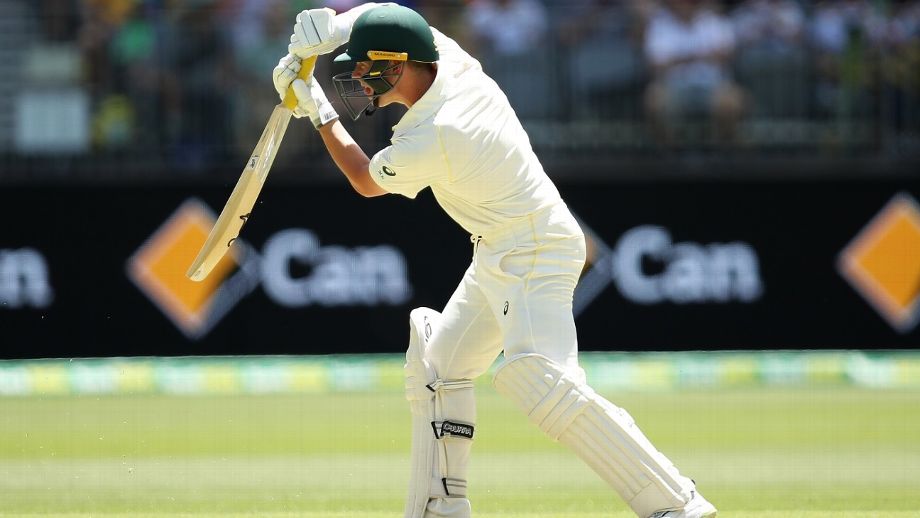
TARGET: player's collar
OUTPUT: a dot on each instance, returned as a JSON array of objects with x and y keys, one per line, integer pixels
[{"x": 425, "y": 107}]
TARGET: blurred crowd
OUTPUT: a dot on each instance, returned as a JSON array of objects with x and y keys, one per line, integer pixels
[
  {"x": 189, "y": 80},
  {"x": 667, "y": 62}
]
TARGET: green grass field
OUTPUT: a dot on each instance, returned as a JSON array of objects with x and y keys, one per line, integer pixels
[{"x": 842, "y": 452}]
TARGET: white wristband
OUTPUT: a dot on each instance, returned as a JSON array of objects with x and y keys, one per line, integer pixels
[{"x": 325, "y": 114}]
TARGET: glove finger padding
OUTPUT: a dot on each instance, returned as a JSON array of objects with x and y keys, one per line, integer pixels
[
  {"x": 312, "y": 102},
  {"x": 316, "y": 32},
  {"x": 284, "y": 73},
  {"x": 309, "y": 23}
]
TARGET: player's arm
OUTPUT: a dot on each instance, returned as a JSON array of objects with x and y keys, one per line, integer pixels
[
  {"x": 351, "y": 159},
  {"x": 313, "y": 103}
]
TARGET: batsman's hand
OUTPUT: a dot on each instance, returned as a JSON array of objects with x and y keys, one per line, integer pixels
[
  {"x": 318, "y": 31},
  {"x": 285, "y": 73},
  {"x": 311, "y": 99},
  {"x": 312, "y": 102}
]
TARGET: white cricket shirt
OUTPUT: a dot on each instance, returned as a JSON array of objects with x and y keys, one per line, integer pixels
[{"x": 463, "y": 140}]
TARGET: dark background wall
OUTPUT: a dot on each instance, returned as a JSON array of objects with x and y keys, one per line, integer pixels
[{"x": 674, "y": 265}]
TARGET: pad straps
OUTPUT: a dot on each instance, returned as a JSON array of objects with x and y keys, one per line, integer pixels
[{"x": 446, "y": 430}]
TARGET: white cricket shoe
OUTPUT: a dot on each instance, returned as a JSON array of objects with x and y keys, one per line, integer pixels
[{"x": 698, "y": 507}]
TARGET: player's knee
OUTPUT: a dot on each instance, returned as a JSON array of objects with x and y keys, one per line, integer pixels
[{"x": 418, "y": 370}]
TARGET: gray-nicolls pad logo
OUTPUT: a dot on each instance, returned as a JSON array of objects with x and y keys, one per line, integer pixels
[
  {"x": 389, "y": 172},
  {"x": 505, "y": 309},
  {"x": 454, "y": 429},
  {"x": 685, "y": 273}
]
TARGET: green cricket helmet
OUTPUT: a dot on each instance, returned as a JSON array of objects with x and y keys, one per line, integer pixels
[{"x": 382, "y": 35}]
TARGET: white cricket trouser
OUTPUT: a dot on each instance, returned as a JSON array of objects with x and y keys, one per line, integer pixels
[{"x": 516, "y": 295}]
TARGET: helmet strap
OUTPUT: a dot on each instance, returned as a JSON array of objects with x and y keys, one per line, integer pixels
[{"x": 371, "y": 108}]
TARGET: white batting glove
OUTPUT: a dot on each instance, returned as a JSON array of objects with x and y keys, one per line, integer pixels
[
  {"x": 312, "y": 102},
  {"x": 285, "y": 73},
  {"x": 318, "y": 31}
]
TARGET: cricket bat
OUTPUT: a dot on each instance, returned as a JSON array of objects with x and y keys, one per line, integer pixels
[{"x": 238, "y": 208}]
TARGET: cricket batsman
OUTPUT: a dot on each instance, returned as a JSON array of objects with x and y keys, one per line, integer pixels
[{"x": 461, "y": 138}]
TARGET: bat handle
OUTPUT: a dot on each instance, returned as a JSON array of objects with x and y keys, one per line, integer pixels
[{"x": 306, "y": 69}]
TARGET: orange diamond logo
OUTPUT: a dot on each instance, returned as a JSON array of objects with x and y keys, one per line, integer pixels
[
  {"x": 883, "y": 262},
  {"x": 159, "y": 265}
]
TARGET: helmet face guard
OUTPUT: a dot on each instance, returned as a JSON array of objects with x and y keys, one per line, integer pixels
[{"x": 380, "y": 78}]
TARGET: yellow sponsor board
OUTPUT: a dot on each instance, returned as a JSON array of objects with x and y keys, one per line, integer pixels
[
  {"x": 907, "y": 372},
  {"x": 308, "y": 377},
  {"x": 825, "y": 368},
  {"x": 49, "y": 379},
  {"x": 134, "y": 377},
  {"x": 741, "y": 370},
  {"x": 655, "y": 374},
  {"x": 221, "y": 378}
]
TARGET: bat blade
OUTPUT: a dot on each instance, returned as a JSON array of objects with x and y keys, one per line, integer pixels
[{"x": 243, "y": 198}]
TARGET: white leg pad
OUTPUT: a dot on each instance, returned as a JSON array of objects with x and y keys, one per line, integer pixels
[
  {"x": 443, "y": 421},
  {"x": 602, "y": 434}
]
